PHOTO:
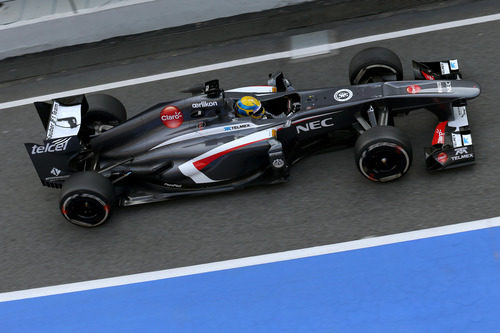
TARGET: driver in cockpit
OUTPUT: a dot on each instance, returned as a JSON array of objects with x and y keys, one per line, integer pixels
[{"x": 249, "y": 106}]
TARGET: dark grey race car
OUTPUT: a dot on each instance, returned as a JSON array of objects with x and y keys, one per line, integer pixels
[{"x": 196, "y": 145}]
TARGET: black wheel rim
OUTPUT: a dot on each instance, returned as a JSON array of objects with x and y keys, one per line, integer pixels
[
  {"x": 384, "y": 161},
  {"x": 85, "y": 209}
]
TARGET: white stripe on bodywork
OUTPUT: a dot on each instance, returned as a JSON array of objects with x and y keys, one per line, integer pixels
[
  {"x": 254, "y": 89},
  {"x": 189, "y": 170},
  {"x": 203, "y": 132},
  {"x": 312, "y": 117}
]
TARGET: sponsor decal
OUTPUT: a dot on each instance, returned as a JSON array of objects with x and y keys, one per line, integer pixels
[
  {"x": 278, "y": 163},
  {"x": 64, "y": 121},
  {"x": 53, "y": 120},
  {"x": 314, "y": 125},
  {"x": 55, "y": 171},
  {"x": 202, "y": 125},
  {"x": 439, "y": 133},
  {"x": 459, "y": 111},
  {"x": 454, "y": 64},
  {"x": 50, "y": 179},
  {"x": 204, "y": 104},
  {"x": 467, "y": 139},
  {"x": 459, "y": 118},
  {"x": 457, "y": 140},
  {"x": 343, "y": 95},
  {"x": 171, "y": 116},
  {"x": 235, "y": 127},
  {"x": 172, "y": 185},
  {"x": 68, "y": 122},
  {"x": 445, "y": 68},
  {"x": 51, "y": 147},
  {"x": 442, "y": 158},
  {"x": 440, "y": 87},
  {"x": 413, "y": 89},
  {"x": 444, "y": 86},
  {"x": 462, "y": 157},
  {"x": 461, "y": 154}
]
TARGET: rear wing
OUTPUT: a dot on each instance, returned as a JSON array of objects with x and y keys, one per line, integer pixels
[
  {"x": 63, "y": 117},
  {"x": 62, "y": 121}
]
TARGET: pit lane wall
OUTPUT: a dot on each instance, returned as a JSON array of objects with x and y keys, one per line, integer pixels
[{"x": 29, "y": 26}]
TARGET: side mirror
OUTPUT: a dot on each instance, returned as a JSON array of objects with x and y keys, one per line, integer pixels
[
  {"x": 278, "y": 80},
  {"x": 212, "y": 89}
]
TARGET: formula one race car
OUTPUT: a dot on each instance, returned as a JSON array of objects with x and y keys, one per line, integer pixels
[{"x": 197, "y": 145}]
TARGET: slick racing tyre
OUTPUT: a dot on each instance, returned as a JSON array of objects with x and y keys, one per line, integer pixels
[
  {"x": 104, "y": 112},
  {"x": 375, "y": 64},
  {"x": 383, "y": 153},
  {"x": 87, "y": 199}
]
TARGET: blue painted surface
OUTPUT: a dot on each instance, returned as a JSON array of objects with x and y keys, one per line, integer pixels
[{"x": 442, "y": 284}]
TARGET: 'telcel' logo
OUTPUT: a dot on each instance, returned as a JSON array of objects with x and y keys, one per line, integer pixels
[{"x": 171, "y": 116}]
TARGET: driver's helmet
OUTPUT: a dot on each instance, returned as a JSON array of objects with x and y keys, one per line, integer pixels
[{"x": 249, "y": 106}]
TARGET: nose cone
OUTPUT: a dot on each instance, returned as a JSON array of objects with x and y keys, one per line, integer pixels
[
  {"x": 477, "y": 89},
  {"x": 469, "y": 89}
]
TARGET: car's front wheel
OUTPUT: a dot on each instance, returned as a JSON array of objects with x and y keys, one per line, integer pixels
[
  {"x": 375, "y": 64},
  {"x": 383, "y": 153},
  {"x": 87, "y": 199}
]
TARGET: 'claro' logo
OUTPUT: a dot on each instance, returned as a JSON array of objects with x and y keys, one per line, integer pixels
[{"x": 171, "y": 116}]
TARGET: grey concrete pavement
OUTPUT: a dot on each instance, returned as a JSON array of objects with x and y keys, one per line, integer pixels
[
  {"x": 302, "y": 15},
  {"x": 29, "y": 26}
]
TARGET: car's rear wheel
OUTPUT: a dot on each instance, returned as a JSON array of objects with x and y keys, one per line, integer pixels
[
  {"x": 375, "y": 64},
  {"x": 383, "y": 153},
  {"x": 104, "y": 112},
  {"x": 87, "y": 199}
]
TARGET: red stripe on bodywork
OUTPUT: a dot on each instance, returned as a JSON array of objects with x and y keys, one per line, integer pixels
[
  {"x": 439, "y": 133},
  {"x": 200, "y": 164},
  {"x": 427, "y": 76}
]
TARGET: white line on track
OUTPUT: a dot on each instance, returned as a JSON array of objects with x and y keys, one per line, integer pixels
[
  {"x": 257, "y": 59},
  {"x": 252, "y": 261}
]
